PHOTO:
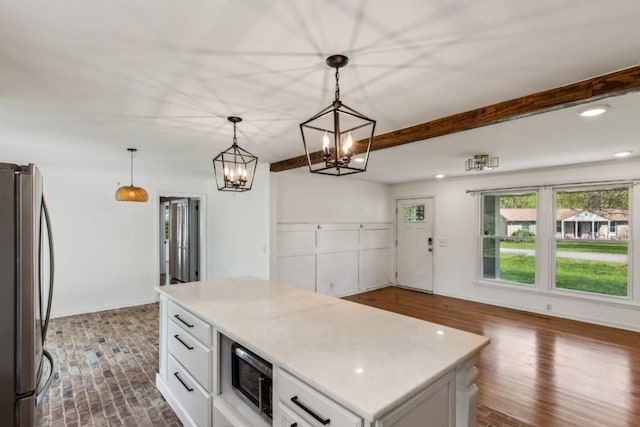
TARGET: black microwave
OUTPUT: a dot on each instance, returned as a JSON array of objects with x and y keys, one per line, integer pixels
[{"x": 252, "y": 377}]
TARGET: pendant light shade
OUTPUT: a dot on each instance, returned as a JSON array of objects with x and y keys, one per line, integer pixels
[
  {"x": 131, "y": 193},
  {"x": 235, "y": 167},
  {"x": 337, "y": 140}
]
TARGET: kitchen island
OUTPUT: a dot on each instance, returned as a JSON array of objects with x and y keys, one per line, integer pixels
[{"x": 354, "y": 365}]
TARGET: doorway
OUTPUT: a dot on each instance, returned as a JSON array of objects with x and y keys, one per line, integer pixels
[
  {"x": 180, "y": 240},
  {"x": 415, "y": 243}
]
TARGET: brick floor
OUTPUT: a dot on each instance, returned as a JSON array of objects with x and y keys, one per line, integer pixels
[
  {"x": 105, "y": 373},
  {"x": 106, "y": 364}
]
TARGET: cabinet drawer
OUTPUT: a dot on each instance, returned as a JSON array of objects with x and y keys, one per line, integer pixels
[
  {"x": 312, "y": 406},
  {"x": 190, "y": 323},
  {"x": 190, "y": 395},
  {"x": 195, "y": 357},
  {"x": 289, "y": 418}
]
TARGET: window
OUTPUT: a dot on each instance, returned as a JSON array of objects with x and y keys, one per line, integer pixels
[
  {"x": 592, "y": 245},
  {"x": 508, "y": 248},
  {"x": 414, "y": 213}
]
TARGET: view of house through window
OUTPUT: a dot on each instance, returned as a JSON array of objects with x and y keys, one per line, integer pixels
[
  {"x": 592, "y": 239},
  {"x": 509, "y": 237},
  {"x": 589, "y": 238}
]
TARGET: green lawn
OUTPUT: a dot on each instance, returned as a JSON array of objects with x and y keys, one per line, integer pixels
[
  {"x": 608, "y": 278},
  {"x": 604, "y": 247}
]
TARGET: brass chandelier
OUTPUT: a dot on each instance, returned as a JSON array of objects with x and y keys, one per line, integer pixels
[
  {"x": 235, "y": 167},
  {"x": 337, "y": 140}
]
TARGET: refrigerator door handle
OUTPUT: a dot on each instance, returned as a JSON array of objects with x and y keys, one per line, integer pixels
[
  {"x": 47, "y": 315},
  {"x": 40, "y": 394}
]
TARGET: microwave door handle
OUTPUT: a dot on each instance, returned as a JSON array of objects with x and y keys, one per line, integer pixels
[
  {"x": 260, "y": 381},
  {"x": 47, "y": 315}
]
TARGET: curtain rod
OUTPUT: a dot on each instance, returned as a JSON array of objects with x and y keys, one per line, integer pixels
[{"x": 570, "y": 184}]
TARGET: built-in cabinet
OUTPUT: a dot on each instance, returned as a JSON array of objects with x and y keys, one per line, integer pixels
[
  {"x": 194, "y": 377},
  {"x": 335, "y": 259}
]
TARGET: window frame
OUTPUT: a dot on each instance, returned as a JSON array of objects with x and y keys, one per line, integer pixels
[
  {"x": 499, "y": 282},
  {"x": 553, "y": 288}
]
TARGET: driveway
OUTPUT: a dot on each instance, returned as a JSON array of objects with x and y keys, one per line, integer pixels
[{"x": 587, "y": 256}]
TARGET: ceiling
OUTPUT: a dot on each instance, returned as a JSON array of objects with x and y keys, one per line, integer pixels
[{"x": 82, "y": 81}]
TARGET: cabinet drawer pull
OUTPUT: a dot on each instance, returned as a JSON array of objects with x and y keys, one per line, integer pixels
[
  {"x": 189, "y": 389},
  {"x": 323, "y": 421},
  {"x": 189, "y": 325},
  {"x": 176, "y": 336}
]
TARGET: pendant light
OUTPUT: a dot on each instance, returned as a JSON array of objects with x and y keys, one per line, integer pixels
[
  {"x": 235, "y": 167},
  {"x": 337, "y": 140},
  {"x": 130, "y": 193}
]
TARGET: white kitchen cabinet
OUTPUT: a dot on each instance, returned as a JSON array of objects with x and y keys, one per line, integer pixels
[
  {"x": 288, "y": 418},
  {"x": 311, "y": 405},
  {"x": 311, "y": 356}
]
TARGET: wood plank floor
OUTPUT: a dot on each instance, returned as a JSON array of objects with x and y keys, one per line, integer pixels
[{"x": 544, "y": 371}]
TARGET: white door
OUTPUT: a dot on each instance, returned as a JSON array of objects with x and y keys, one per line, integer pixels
[{"x": 415, "y": 243}]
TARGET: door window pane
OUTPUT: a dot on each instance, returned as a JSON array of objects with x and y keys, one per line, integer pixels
[
  {"x": 413, "y": 213},
  {"x": 592, "y": 241}
]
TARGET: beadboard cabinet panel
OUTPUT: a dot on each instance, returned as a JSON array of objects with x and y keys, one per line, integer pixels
[
  {"x": 374, "y": 268},
  {"x": 370, "y": 239},
  {"x": 334, "y": 258},
  {"x": 337, "y": 273}
]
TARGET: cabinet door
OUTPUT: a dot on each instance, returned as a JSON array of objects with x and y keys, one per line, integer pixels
[
  {"x": 433, "y": 407},
  {"x": 337, "y": 273}
]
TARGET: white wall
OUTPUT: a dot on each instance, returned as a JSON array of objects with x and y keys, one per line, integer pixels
[
  {"x": 238, "y": 229},
  {"x": 312, "y": 198},
  {"x": 318, "y": 198},
  {"x": 456, "y": 221},
  {"x": 106, "y": 251}
]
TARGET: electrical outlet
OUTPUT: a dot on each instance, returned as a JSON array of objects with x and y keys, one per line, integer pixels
[
  {"x": 548, "y": 307},
  {"x": 331, "y": 285}
]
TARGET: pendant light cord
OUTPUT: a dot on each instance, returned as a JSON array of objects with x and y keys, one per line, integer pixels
[{"x": 132, "y": 168}]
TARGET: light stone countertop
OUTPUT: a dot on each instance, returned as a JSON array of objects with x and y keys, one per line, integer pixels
[{"x": 367, "y": 359}]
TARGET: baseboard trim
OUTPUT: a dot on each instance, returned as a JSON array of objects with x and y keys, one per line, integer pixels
[
  {"x": 65, "y": 313},
  {"x": 559, "y": 314}
]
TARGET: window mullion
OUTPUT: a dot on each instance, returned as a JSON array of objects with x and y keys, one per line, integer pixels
[{"x": 545, "y": 242}]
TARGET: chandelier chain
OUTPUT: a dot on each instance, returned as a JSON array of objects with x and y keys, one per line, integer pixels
[
  {"x": 235, "y": 140},
  {"x": 337, "y": 85}
]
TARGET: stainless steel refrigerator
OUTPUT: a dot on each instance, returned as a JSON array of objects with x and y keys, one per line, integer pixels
[{"x": 26, "y": 287}]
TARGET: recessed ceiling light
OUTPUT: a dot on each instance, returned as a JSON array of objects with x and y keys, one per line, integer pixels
[
  {"x": 623, "y": 153},
  {"x": 593, "y": 110},
  {"x": 359, "y": 159},
  {"x": 440, "y": 176}
]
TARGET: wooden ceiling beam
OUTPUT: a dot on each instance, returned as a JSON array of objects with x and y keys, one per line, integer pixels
[{"x": 612, "y": 84}]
